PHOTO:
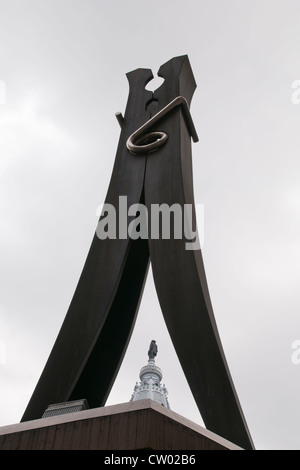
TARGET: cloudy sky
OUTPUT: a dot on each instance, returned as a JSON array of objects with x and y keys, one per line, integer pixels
[{"x": 62, "y": 78}]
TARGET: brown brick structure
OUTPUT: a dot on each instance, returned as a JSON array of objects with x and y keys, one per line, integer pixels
[{"x": 143, "y": 424}]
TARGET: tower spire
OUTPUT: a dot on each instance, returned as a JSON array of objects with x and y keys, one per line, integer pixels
[{"x": 150, "y": 381}]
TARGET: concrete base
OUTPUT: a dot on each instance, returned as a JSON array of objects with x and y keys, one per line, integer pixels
[{"x": 143, "y": 424}]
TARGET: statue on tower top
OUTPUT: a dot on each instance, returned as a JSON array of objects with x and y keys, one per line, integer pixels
[{"x": 152, "y": 350}]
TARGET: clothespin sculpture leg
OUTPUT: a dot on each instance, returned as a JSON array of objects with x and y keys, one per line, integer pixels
[
  {"x": 179, "y": 273},
  {"x": 93, "y": 339}
]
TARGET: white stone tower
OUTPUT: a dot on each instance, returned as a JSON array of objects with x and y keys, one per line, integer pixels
[{"x": 150, "y": 381}]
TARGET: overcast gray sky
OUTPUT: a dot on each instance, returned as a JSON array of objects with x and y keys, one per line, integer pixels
[{"x": 62, "y": 78}]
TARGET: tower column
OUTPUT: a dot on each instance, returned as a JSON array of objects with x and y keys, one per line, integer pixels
[{"x": 150, "y": 381}]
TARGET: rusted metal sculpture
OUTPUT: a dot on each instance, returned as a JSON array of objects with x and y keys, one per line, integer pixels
[{"x": 153, "y": 165}]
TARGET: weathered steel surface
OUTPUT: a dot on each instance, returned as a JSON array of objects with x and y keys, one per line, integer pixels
[
  {"x": 179, "y": 273},
  {"x": 93, "y": 339},
  {"x": 90, "y": 346}
]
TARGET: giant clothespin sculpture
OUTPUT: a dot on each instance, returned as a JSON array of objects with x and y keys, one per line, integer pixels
[{"x": 153, "y": 165}]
